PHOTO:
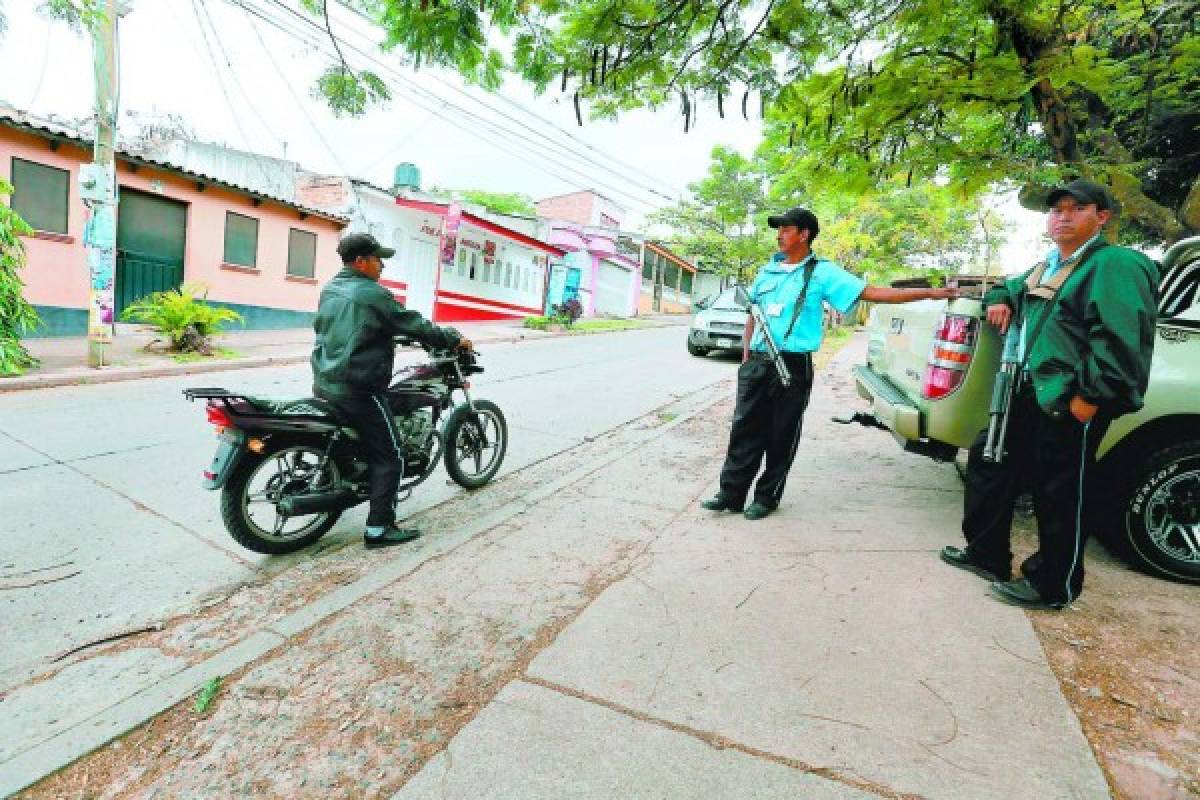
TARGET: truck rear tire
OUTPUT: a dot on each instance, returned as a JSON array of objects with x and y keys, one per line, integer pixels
[{"x": 1159, "y": 523}]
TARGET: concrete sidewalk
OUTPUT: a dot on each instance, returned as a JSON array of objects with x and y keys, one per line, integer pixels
[
  {"x": 64, "y": 359},
  {"x": 601, "y": 636}
]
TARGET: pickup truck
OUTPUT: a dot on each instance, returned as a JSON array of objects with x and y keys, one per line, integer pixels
[{"x": 929, "y": 374}]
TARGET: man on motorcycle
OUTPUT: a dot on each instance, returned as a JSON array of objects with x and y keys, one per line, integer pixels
[{"x": 356, "y": 323}]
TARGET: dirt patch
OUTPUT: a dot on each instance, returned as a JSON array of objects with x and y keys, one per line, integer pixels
[{"x": 1127, "y": 659}]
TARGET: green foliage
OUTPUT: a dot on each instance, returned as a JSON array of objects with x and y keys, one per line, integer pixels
[
  {"x": 206, "y": 695},
  {"x": 723, "y": 225},
  {"x": 897, "y": 232},
  {"x": 183, "y": 316},
  {"x": 351, "y": 93},
  {"x": 81, "y": 16},
  {"x": 974, "y": 93},
  {"x": 17, "y": 317},
  {"x": 883, "y": 232},
  {"x": 537, "y": 323},
  {"x": 496, "y": 202}
]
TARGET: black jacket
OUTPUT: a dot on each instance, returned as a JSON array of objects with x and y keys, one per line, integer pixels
[{"x": 356, "y": 321}]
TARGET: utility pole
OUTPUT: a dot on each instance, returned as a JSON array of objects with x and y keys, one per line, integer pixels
[{"x": 98, "y": 188}]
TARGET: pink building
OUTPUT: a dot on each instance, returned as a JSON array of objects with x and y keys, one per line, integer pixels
[{"x": 263, "y": 256}]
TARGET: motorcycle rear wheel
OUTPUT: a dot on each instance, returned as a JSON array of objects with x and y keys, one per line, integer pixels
[{"x": 261, "y": 480}]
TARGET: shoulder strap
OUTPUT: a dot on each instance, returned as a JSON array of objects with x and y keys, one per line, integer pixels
[
  {"x": 1047, "y": 290},
  {"x": 1053, "y": 289},
  {"x": 810, "y": 266}
]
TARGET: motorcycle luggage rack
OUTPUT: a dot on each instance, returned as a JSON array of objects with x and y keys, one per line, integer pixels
[{"x": 242, "y": 405}]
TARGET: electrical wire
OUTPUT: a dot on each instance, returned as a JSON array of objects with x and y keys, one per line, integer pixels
[
  {"x": 423, "y": 97},
  {"x": 531, "y": 112}
]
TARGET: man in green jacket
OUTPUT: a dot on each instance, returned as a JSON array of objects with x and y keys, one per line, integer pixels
[
  {"x": 357, "y": 321},
  {"x": 1086, "y": 318}
]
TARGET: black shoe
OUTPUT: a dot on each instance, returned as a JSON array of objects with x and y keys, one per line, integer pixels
[
  {"x": 720, "y": 503},
  {"x": 390, "y": 537},
  {"x": 957, "y": 557},
  {"x": 1022, "y": 593},
  {"x": 757, "y": 511}
]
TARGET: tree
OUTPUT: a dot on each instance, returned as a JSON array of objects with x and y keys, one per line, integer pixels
[
  {"x": 17, "y": 316},
  {"x": 722, "y": 225},
  {"x": 979, "y": 92},
  {"x": 893, "y": 231},
  {"x": 898, "y": 231},
  {"x": 496, "y": 202}
]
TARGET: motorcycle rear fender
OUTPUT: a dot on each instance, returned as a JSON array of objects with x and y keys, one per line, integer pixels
[{"x": 231, "y": 448}]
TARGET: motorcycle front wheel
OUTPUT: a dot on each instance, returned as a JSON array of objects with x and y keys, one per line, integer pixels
[
  {"x": 475, "y": 443},
  {"x": 250, "y": 500}
]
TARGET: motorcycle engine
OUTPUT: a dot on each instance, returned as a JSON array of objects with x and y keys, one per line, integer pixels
[{"x": 415, "y": 431}]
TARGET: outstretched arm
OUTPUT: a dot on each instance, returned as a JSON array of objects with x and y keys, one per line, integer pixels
[{"x": 886, "y": 294}]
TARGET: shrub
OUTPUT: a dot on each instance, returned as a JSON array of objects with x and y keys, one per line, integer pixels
[
  {"x": 566, "y": 313},
  {"x": 182, "y": 316},
  {"x": 537, "y": 323},
  {"x": 17, "y": 316}
]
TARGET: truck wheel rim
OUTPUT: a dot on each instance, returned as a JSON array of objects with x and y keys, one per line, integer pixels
[{"x": 1172, "y": 517}]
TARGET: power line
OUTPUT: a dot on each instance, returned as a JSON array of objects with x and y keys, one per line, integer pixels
[
  {"x": 422, "y": 97},
  {"x": 428, "y": 96},
  {"x": 524, "y": 109}
]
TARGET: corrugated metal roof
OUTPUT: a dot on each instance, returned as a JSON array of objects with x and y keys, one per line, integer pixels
[{"x": 55, "y": 130}]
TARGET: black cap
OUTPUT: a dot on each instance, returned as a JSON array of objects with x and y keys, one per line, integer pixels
[
  {"x": 800, "y": 217},
  {"x": 356, "y": 245},
  {"x": 1085, "y": 193}
]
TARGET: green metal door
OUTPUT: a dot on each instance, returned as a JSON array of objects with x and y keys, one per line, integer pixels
[{"x": 151, "y": 237}]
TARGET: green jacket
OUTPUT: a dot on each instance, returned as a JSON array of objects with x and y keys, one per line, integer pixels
[
  {"x": 1100, "y": 338},
  {"x": 355, "y": 324}
]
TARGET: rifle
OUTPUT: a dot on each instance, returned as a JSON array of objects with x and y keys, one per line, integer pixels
[
  {"x": 1002, "y": 395},
  {"x": 760, "y": 323}
]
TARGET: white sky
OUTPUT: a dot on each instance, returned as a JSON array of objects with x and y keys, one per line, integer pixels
[{"x": 167, "y": 68}]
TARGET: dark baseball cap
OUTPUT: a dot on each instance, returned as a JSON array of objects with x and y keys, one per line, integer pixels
[
  {"x": 1085, "y": 193},
  {"x": 364, "y": 245},
  {"x": 800, "y": 217}
]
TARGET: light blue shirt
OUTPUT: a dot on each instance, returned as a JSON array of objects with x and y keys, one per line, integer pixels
[{"x": 776, "y": 289}]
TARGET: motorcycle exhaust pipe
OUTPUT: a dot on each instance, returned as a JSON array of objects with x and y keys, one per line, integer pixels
[{"x": 298, "y": 505}]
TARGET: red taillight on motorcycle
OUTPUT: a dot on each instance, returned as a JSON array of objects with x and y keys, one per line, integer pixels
[
  {"x": 954, "y": 342},
  {"x": 217, "y": 416}
]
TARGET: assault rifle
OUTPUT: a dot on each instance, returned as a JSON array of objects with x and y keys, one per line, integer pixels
[
  {"x": 1003, "y": 392},
  {"x": 760, "y": 323}
]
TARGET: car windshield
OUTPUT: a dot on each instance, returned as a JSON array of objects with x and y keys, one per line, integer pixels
[{"x": 727, "y": 301}]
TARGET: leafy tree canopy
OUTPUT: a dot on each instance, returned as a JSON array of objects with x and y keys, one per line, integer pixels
[
  {"x": 865, "y": 91},
  {"x": 893, "y": 231},
  {"x": 496, "y": 202}
]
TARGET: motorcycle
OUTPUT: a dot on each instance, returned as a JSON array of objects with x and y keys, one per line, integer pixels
[{"x": 288, "y": 468}]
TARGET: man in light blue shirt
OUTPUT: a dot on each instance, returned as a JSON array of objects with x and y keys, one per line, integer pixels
[{"x": 768, "y": 417}]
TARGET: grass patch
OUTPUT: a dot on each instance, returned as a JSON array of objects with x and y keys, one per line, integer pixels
[
  {"x": 606, "y": 325},
  {"x": 219, "y": 353},
  {"x": 206, "y": 695}
]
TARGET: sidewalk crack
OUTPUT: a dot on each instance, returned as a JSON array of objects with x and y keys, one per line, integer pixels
[{"x": 719, "y": 742}]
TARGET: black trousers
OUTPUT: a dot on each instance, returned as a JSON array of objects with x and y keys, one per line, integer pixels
[
  {"x": 380, "y": 444},
  {"x": 767, "y": 422},
  {"x": 1050, "y": 457}
]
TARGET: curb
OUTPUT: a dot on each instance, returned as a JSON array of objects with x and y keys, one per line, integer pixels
[{"x": 118, "y": 374}]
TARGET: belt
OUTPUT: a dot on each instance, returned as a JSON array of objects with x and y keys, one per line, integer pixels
[{"x": 761, "y": 356}]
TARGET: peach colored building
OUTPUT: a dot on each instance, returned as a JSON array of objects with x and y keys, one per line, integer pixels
[
  {"x": 587, "y": 207},
  {"x": 263, "y": 256}
]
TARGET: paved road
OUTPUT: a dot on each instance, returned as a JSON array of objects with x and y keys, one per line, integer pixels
[{"x": 105, "y": 527}]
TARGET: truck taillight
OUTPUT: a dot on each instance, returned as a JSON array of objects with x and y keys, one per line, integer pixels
[
  {"x": 218, "y": 417},
  {"x": 953, "y": 347}
]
